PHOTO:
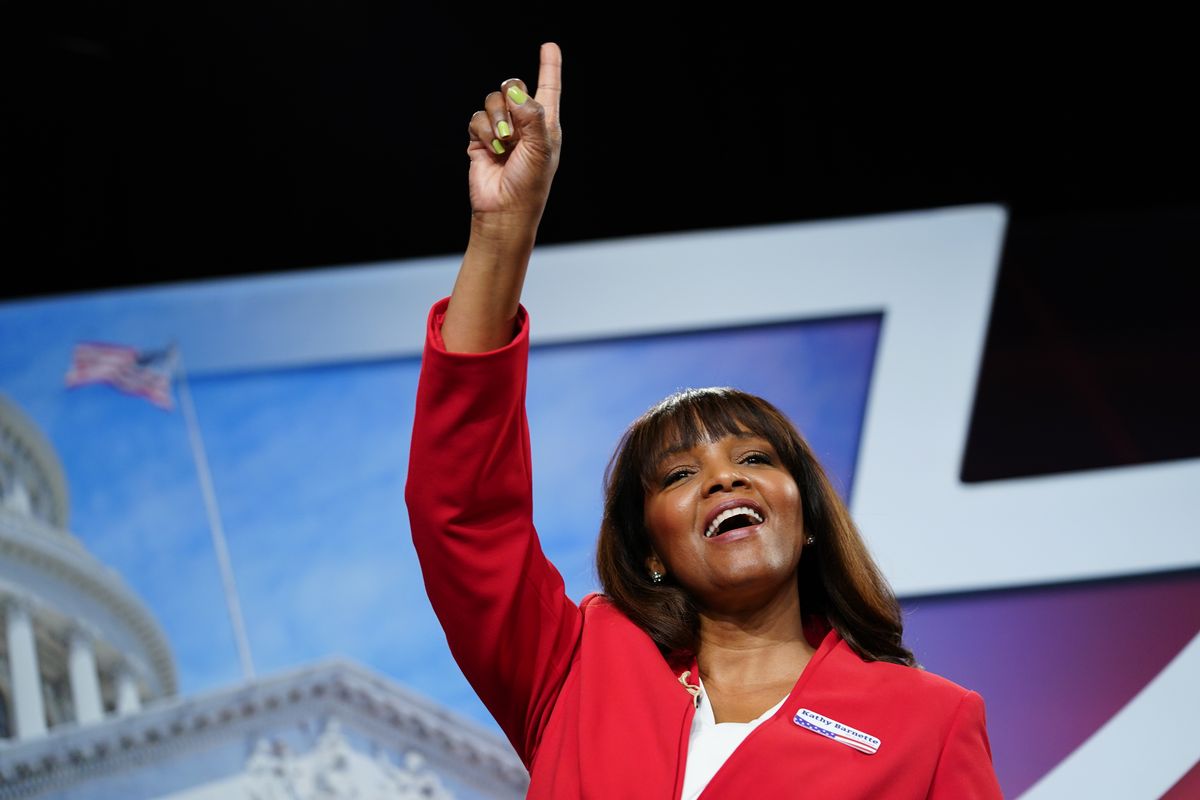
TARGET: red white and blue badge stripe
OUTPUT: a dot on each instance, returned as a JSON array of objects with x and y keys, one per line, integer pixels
[{"x": 837, "y": 731}]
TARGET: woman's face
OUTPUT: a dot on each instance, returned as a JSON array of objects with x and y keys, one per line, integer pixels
[{"x": 725, "y": 522}]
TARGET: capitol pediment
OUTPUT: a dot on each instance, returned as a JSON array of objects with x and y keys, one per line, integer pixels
[{"x": 331, "y": 730}]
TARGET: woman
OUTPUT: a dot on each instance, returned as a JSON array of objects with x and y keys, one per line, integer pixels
[{"x": 745, "y": 644}]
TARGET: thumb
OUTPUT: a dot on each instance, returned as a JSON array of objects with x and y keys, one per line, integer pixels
[{"x": 528, "y": 115}]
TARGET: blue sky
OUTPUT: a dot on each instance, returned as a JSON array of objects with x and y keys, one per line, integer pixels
[{"x": 309, "y": 465}]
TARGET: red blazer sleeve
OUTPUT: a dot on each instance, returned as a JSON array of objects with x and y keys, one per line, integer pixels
[
  {"x": 964, "y": 770},
  {"x": 510, "y": 625}
]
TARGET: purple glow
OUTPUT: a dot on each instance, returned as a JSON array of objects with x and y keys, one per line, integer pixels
[{"x": 1065, "y": 657}]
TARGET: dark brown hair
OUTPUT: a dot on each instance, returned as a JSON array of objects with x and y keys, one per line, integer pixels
[{"x": 838, "y": 579}]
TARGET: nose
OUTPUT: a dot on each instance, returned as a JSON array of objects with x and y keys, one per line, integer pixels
[{"x": 725, "y": 478}]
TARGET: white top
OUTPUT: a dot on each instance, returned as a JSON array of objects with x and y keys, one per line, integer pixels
[{"x": 710, "y": 743}]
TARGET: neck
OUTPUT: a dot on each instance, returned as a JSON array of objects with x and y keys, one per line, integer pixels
[{"x": 758, "y": 647}]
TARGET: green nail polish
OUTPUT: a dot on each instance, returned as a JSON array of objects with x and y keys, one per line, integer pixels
[
  {"x": 502, "y": 126},
  {"x": 517, "y": 95},
  {"x": 497, "y": 147}
]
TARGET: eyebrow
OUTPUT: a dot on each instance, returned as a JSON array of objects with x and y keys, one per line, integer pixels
[{"x": 683, "y": 448}]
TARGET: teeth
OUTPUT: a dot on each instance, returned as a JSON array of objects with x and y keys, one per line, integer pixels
[{"x": 726, "y": 514}]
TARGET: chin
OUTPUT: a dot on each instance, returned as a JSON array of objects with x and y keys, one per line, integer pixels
[{"x": 749, "y": 587}]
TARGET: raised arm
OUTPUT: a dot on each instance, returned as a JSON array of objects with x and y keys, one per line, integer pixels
[
  {"x": 508, "y": 621},
  {"x": 514, "y": 151}
]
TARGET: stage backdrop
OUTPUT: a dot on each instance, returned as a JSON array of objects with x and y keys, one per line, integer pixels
[{"x": 1070, "y": 602}]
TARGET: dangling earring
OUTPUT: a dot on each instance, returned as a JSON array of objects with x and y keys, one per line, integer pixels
[
  {"x": 810, "y": 540},
  {"x": 656, "y": 577}
]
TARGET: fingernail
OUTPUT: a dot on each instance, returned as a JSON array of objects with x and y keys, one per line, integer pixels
[
  {"x": 503, "y": 128},
  {"x": 517, "y": 95},
  {"x": 497, "y": 147}
]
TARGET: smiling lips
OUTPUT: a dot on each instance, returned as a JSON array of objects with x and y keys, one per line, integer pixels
[{"x": 731, "y": 517}]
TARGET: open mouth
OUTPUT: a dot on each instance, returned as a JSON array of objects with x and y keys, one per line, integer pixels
[{"x": 731, "y": 519}]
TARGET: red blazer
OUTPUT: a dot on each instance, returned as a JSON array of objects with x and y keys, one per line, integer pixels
[{"x": 584, "y": 695}]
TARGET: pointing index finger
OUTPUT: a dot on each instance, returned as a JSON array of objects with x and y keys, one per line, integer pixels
[{"x": 549, "y": 85}]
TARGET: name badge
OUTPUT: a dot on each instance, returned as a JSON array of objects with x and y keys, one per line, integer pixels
[{"x": 832, "y": 729}]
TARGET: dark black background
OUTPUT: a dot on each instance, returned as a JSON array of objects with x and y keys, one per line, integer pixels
[{"x": 153, "y": 142}]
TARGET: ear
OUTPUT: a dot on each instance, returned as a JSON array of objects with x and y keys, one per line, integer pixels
[{"x": 655, "y": 564}]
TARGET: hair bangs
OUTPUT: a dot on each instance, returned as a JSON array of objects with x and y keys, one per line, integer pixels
[{"x": 692, "y": 416}]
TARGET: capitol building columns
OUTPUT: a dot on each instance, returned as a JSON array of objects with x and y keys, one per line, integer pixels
[
  {"x": 128, "y": 700},
  {"x": 78, "y": 645},
  {"x": 28, "y": 711},
  {"x": 85, "y": 680},
  {"x": 55, "y": 671}
]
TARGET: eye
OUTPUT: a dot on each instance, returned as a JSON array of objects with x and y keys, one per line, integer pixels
[
  {"x": 756, "y": 457},
  {"x": 676, "y": 475}
]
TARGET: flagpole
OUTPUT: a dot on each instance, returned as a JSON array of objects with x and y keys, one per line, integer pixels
[{"x": 214, "y": 518}]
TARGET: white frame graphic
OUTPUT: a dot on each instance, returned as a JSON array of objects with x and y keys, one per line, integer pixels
[{"x": 932, "y": 274}]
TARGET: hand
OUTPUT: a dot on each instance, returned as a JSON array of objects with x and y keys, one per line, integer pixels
[
  {"x": 514, "y": 149},
  {"x": 512, "y": 166}
]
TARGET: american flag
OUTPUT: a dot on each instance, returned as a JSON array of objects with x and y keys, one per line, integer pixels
[{"x": 145, "y": 374}]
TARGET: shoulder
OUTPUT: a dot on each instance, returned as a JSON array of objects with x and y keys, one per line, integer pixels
[
  {"x": 953, "y": 719},
  {"x": 596, "y": 607},
  {"x": 925, "y": 693},
  {"x": 893, "y": 702},
  {"x": 611, "y": 638},
  {"x": 603, "y": 621},
  {"x": 914, "y": 679}
]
